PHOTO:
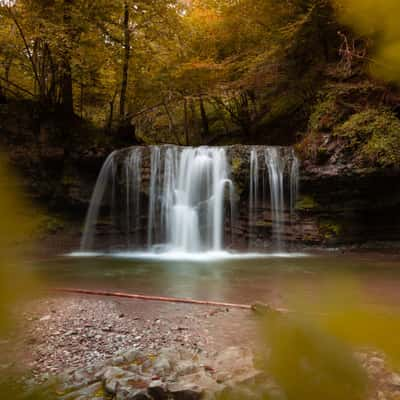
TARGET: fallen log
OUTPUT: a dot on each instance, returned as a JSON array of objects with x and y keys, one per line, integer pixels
[{"x": 153, "y": 298}]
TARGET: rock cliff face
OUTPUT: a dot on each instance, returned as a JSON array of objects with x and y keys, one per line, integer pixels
[
  {"x": 350, "y": 205},
  {"x": 336, "y": 205},
  {"x": 340, "y": 202},
  {"x": 57, "y": 169}
]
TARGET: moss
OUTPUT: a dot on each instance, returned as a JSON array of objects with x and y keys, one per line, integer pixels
[
  {"x": 102, "y": 394},
  {"x": 349, "y": 121},
  {"x": 281, "y": 108},
  {"x": 306, "y": 203},
  {"x": 237, "y": 164},
  {"x": 324, "y": 115},
  {"x": 263, "y": 224},
  {"x": 375, "y": 134},
  {"x": 330, "y": 229},
  {"x": 69, "y": 180}
]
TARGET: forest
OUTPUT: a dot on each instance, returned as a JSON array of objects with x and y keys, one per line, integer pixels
[
  {"x": 207, "y": 72},
  {"x": 199, "y": 199}
]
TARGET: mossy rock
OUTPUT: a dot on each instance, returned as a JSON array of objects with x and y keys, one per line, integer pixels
[
  {"x": 325, "y": 115},
  {"x": 375, "y": 133},
  {"x": 237, "y": 165},
  {"x": 263, "y": 224},
  {"x": 306, "y": 203},
  {"x": 69, "y": 180},
  {"x": 330, "y": 229}
]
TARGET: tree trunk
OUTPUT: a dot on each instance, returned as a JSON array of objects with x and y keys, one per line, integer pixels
[
  {"x": 111, "y": 114},
  {"x": 172, "y": 128},
  {"x": 81, "y": 99},
  {"x": 186, "y": 122},
  {"x": 66, "y": 81},
  {"x": 125, "y": 66},
  {"x": 204, "y": 119}
]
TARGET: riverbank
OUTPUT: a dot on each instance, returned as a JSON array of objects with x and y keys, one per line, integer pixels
[
  {"x": 60, "y": 332},
  {"x": 102, "y": 347}
]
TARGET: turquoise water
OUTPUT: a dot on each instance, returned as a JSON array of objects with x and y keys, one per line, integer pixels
[{"x": 240, "y": 280}]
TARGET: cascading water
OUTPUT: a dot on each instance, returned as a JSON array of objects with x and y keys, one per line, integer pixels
[
  {"x": 183, "y": 199},
  {"x": 103, "y": 181},
  {"x": 188, "y": 192},
  {"x": 279, "y": 167}
]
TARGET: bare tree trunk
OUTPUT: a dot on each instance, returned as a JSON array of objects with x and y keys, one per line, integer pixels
[
  {"x": 186, "y": 122},
  {"x": 172, "y": 128},
  {"x": 66, "y": 81},
  {"x": 204, "y": 119},
  {"x": 7, "y": 69},
  {"x": 111, "y": 115},
  {"x": 81, "y": 99},
  {"x": 27, "y": 48},
  {"x": 125, "y": 66}
]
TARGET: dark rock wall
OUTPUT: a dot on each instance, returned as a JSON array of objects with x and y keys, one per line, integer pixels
[
  {"x": 337, "y": 205},
  {"x": 57, "y": 162}
]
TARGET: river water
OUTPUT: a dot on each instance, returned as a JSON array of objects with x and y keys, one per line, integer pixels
[{"x": 272, "y": 279}]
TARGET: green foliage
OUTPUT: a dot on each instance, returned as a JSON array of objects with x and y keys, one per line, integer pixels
[
  {"x": 337, "y": 102},
  {"x": 325, "y": 115},
  {"x": 375, "y": 134}
]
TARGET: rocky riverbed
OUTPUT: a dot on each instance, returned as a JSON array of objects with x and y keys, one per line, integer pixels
[
  {"x": 90, "y": 348},
  {"x": 64, "y": 332}
]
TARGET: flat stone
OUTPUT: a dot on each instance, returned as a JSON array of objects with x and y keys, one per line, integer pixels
[
  {"x": 186, "y": 367},
  {"x": 194, "y": 385},
  {"x": 118, "y": 360},
  {"x": 161, "y": 365},
  {"x": 131, "y": 355}
]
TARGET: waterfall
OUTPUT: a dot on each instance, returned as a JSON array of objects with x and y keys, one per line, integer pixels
[
  {"x": 133, "y": 179},
  {"x": 106, "y": 175},
  {"x": 184, "y": 199},
  {"x": 153, "y": 192},
  {"x": 197, "y": 214},
  {"x": 278, "y": 170},
  {"x": 253, "y": 191}
]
